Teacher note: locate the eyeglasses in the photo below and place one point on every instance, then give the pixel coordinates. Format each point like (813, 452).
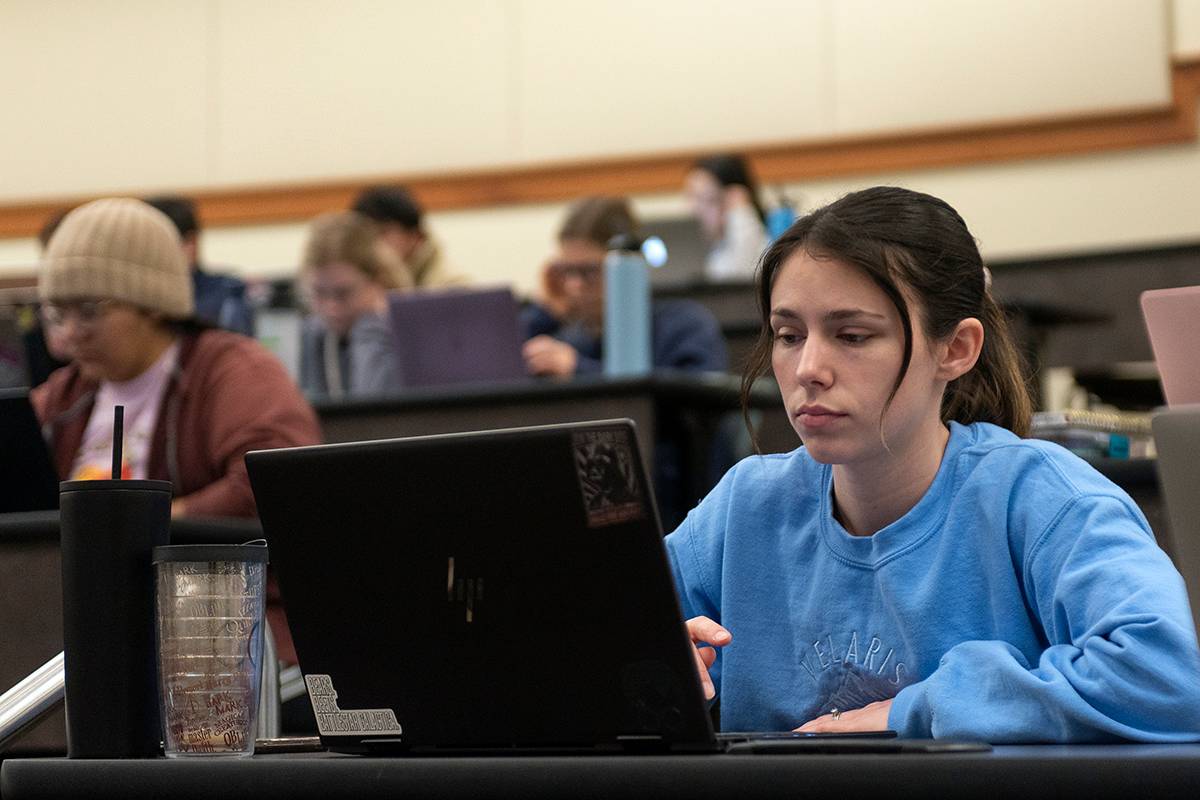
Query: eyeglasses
(588, 271)
(84, 312)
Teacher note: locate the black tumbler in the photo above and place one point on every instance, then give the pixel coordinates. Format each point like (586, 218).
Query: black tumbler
(108, 529)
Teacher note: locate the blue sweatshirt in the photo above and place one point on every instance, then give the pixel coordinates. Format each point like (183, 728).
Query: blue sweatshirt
(1023, 599)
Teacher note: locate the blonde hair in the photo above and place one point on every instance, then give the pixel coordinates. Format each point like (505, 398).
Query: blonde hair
(347, 237)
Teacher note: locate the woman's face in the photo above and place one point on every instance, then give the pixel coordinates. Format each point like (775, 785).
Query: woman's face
(341, 294)
(577, 277)
(837, 350)
(706, 198)
(107, 339)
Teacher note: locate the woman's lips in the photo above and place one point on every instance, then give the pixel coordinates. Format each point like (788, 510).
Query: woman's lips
(813, 418)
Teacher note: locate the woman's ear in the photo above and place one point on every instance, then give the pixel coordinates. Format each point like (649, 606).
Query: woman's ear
(960, 350)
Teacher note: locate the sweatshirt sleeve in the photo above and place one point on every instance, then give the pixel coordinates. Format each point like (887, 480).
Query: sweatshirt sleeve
(250, 403)
(373, 363)
(1121, 661)
(695, 554)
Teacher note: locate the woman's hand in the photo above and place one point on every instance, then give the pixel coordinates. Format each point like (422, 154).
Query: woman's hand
(703, 630)
(872, 717)
(545, 355)
(552, 296)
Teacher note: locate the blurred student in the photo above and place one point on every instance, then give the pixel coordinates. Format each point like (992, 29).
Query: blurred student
(45, 346)
(723, 196)
(220, 299)
(917, 565)
(401, 227)
(565, 329)
(114, 283)
(346, 345)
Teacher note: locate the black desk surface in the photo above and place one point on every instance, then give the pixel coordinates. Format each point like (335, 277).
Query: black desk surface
(1126, 771)
(35, 525)
(711, 389)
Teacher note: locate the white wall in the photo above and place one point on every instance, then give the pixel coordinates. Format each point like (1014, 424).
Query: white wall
(1186, 27)
(205, 93)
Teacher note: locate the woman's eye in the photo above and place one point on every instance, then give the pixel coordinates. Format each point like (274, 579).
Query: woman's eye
(854, 338)
(787, 337)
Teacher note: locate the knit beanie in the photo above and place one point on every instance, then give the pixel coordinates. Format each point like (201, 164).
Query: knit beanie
(119, 249)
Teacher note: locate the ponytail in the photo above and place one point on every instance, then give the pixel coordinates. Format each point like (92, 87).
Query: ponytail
(996, 389)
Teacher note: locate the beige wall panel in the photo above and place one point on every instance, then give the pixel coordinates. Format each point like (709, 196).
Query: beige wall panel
(18, 256)
(1050, 207)
(321, 88)
(630, 77)
(923, 63)
(1040, 207)
(97, 97)
(1186, 27)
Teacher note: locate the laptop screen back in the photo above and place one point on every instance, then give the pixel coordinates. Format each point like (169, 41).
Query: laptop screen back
(489, 590)
(1173, 322)
(13, 369)
(28, 481)
(1177, 439)
(456, 336)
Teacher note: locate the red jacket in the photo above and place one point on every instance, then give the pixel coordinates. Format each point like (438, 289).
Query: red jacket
(228, 395)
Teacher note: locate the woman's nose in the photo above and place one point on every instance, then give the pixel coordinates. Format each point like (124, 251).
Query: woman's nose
(813, 365)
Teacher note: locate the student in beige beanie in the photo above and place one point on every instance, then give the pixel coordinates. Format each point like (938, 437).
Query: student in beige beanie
(115, 285)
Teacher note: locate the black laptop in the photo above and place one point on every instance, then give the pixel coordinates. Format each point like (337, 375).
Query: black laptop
(28, 481)
(484, 592)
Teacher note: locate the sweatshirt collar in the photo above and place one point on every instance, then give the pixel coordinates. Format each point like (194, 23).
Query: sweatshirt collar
(911, 530)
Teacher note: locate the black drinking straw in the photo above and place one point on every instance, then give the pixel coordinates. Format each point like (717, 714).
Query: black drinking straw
(118, 439)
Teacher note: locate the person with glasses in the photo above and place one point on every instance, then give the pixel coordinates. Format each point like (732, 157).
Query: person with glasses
(565, 328)
(346, 346)
(114, 285)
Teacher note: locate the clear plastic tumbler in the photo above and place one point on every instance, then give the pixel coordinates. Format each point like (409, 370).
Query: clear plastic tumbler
(209, 623)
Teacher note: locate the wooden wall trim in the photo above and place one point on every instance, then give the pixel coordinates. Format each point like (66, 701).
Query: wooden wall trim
(793, 161)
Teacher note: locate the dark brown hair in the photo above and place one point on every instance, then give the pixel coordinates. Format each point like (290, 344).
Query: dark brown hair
(902, 238)
(598, 219)
(728, 170)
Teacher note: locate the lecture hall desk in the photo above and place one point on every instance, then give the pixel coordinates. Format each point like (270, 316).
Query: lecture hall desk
(1022, 772)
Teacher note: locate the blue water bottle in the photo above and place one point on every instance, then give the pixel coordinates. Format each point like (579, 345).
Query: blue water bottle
(626, 308)
(780, 218)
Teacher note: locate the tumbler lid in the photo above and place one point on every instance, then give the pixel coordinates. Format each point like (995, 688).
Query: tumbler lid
(255, 552)
(110, 485)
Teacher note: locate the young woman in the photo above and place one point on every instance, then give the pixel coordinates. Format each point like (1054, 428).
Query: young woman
(916, 565)
(346, 345)
(724, 198)
(115, 287)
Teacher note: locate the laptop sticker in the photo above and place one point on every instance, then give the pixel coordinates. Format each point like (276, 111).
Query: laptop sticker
(334, 721)
(605, 465)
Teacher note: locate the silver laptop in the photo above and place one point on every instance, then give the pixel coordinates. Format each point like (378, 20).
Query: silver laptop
(1177, 439)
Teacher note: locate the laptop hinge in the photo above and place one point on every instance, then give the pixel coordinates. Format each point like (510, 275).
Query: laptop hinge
(641, 742)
